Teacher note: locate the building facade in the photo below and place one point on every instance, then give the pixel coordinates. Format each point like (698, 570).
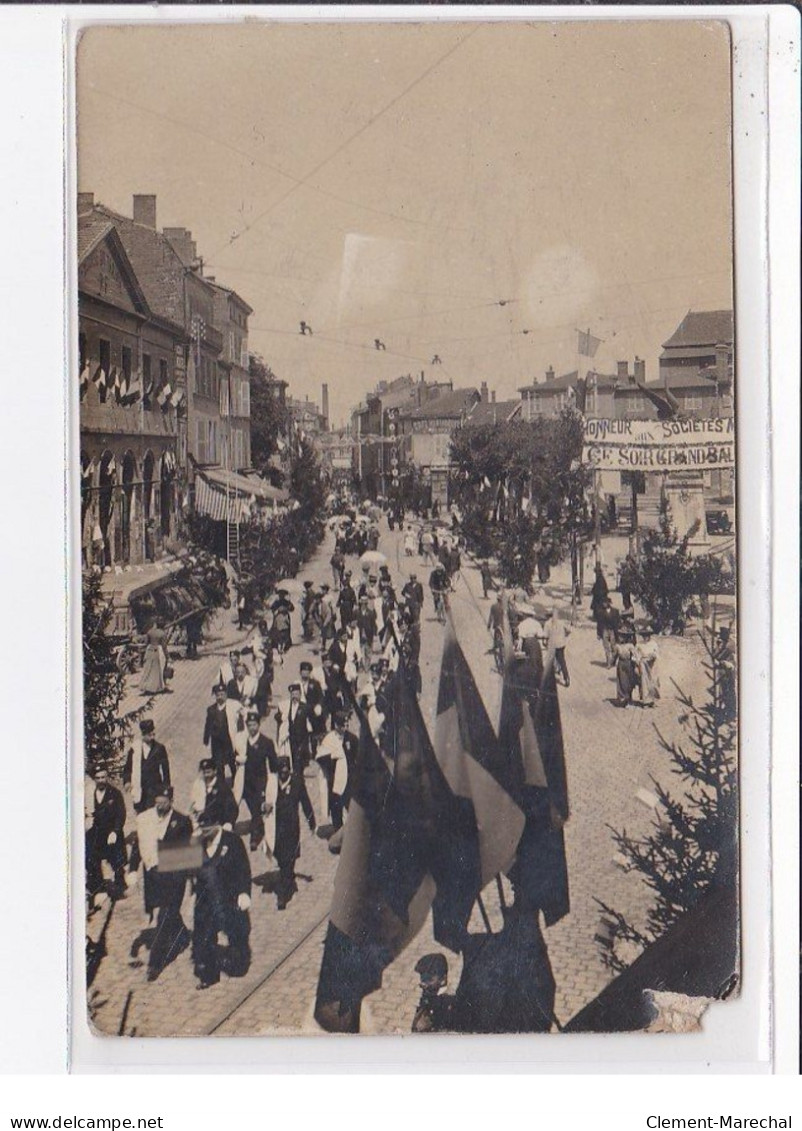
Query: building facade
(130, 374)
(231, 316)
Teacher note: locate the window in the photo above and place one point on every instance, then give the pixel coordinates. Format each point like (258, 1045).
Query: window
(224, 403)
(201, 441)
(245, 398)
(212, 442)
(81, 352)
(162, 372)
(126, 363)
(105, 364)
(244, 353)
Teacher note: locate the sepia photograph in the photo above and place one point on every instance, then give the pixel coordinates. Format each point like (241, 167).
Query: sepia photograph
(405, 372)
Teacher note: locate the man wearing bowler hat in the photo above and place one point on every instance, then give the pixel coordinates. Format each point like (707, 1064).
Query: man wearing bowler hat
(222, 925)
(147, 767)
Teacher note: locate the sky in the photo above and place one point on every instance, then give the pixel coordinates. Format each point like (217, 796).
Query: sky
(476, 191)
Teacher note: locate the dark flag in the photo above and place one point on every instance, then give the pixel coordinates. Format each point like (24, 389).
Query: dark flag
(667, 405)
(382, 890)
(530, 733)
(506, 985)
(487, 820)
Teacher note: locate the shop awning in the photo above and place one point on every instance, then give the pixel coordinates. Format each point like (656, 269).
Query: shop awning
(223, 495)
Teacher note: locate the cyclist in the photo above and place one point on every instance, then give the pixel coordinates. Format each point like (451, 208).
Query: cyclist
(439, 586)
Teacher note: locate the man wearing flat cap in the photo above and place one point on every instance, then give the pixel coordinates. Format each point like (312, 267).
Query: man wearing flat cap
(104, 827)
(256, 755)
(147, 767)
(293, 739)
(222, 906)
(163, 890)
(223, 724)
(435, 1012)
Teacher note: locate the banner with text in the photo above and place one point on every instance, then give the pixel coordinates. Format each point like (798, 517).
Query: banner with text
(659, 445)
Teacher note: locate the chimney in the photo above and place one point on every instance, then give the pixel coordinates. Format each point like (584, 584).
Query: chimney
(145, 209)
(324, 405)
(183, 244)
(623, 370)
(493, 397)
(484, 392)
(86, 202)
(550, 373)
(640, 370)
(722, 364)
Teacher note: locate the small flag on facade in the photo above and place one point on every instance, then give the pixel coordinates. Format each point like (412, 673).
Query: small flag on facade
(588, 343)
(83, 380)
(134, 390)
(100, 379)
(114, 382)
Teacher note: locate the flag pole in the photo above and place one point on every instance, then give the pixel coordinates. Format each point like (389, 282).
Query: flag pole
(483, 913)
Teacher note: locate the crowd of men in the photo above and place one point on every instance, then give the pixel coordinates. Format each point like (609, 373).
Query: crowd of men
(261, 756)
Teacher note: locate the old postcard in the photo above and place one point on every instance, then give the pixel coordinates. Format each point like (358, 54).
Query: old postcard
(406, 369)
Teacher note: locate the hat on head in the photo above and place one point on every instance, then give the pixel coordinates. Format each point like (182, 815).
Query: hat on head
(164, 791)
(207, 821)
(307, 585)
(283, 762)
(218, 687)
(234, 652)
(413, 576)
(147, 726)
(340, 718)
(325, 587)
(294, 687)
(253, 717)
(348, 573)
(206, 764)
(432, 966)
(305, 666)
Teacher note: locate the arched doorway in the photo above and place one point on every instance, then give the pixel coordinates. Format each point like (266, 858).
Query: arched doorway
(127, 505)
(107, 482)
(148, 465)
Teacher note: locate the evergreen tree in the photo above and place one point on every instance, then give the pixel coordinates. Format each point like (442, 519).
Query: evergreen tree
(105, 729)
(693, 843)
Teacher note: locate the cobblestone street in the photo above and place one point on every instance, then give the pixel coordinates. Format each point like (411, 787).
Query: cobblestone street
(611, 755)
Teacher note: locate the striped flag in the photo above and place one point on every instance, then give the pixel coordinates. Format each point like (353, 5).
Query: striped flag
(83, 380)
(114, 382)
(530, 733)
(134, 389)
(369, 925)
(481, 774)
(163, 396)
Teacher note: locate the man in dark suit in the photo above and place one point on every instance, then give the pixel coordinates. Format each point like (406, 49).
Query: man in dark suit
(104, 823)
(257, 756)
(159, 828)
(346, 602)
(147, 768)
(313, 697)
(220, 730)
(212, 799)
(292, 719)
(287, 846)
(222, 905)
(243, 686)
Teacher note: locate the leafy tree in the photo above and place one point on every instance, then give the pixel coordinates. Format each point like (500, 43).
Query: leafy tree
(306, 478)
(105, 729)
(269, 417)
(692, 845)
(523, 492)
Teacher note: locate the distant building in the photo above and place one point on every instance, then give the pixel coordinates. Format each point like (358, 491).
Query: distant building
(426, 436)
(336, 455)
(132, 388)
(231, 316)
(702, 343)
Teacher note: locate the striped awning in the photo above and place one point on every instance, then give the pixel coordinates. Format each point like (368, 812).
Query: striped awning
(210, 501)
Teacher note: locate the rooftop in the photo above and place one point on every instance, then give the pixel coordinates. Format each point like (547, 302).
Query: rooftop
(702, 328)
(494, 412)
(448, 405)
